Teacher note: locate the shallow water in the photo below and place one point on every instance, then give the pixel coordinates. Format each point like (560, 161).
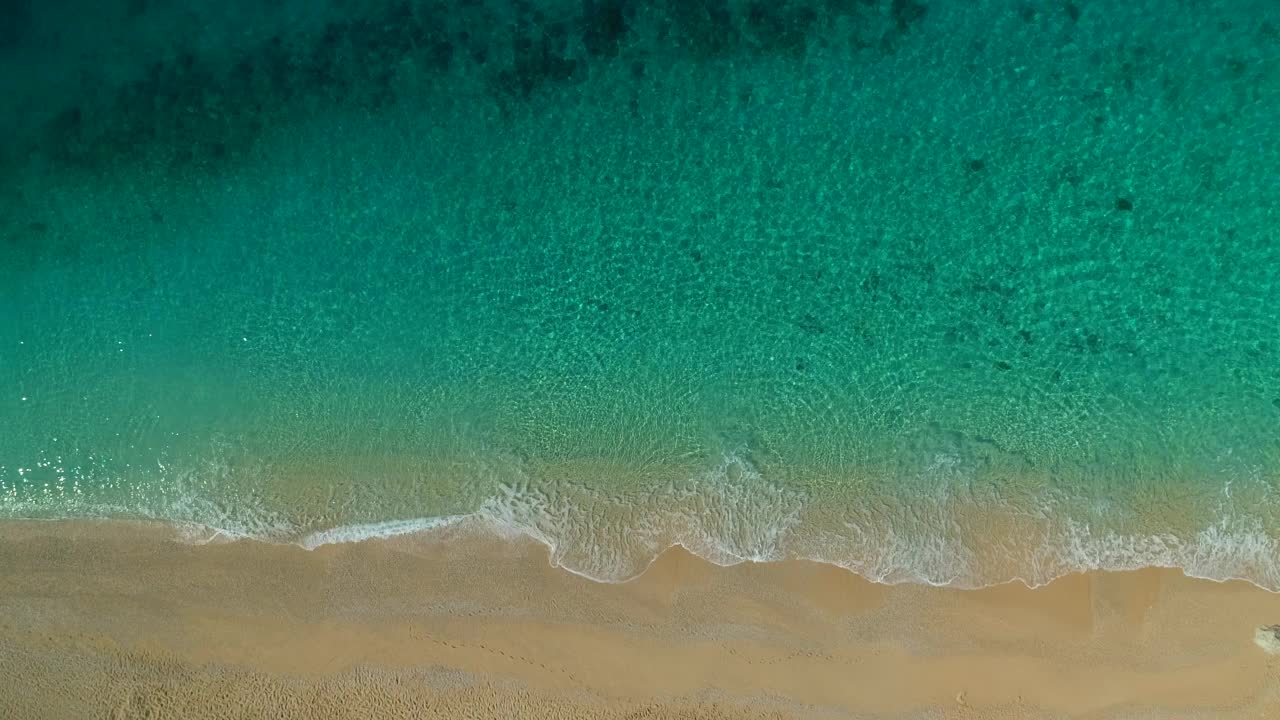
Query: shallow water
(951, 295)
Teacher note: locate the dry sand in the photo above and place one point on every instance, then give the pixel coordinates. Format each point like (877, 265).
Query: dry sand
(116, 620)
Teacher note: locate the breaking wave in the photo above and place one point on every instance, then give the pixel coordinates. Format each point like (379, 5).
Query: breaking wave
(730, 514)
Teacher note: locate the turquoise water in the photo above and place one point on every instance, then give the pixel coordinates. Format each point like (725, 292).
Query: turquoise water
(947, 292)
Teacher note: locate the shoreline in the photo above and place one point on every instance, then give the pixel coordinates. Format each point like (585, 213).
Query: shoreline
(479, 524)
(115, 619)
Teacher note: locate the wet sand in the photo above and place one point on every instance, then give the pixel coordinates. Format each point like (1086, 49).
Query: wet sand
(117, 620)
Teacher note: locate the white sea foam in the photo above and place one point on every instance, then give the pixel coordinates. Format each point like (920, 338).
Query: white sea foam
(378, 530)
(1218, 552)
(730, 515)
(727, 515)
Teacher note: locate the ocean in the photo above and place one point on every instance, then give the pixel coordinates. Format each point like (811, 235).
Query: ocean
(943, 291)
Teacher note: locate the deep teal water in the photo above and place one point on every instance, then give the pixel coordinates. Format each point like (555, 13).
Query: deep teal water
(950, 293)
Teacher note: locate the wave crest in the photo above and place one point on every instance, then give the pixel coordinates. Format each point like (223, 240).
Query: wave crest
(729, 514)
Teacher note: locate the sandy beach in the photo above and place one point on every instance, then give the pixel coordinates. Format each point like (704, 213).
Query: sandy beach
(118, 620)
